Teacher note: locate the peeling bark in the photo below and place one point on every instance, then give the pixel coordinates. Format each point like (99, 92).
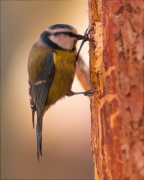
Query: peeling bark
(117, 72)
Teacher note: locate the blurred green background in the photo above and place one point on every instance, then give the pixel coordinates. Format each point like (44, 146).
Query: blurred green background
(67, 124)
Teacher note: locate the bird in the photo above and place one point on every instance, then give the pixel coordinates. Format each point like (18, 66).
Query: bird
(51, 70)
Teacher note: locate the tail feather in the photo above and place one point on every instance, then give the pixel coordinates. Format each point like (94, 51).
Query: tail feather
(33, 113)
(39, 138)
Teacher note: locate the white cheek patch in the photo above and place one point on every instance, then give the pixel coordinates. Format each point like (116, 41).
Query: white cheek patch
(64, 41)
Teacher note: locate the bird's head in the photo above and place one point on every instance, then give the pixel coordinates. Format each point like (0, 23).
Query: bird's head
(61, 36)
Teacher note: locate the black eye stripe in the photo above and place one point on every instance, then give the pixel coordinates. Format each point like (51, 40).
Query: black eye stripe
(66, 33)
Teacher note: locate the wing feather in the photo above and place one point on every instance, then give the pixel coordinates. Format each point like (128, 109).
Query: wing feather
(40, 89)
(42, 83)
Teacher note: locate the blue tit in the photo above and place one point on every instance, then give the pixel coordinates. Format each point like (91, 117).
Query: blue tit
(51, 70)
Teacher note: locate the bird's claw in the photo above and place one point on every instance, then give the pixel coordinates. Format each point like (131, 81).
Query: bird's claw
(90, 92)
(86, 34)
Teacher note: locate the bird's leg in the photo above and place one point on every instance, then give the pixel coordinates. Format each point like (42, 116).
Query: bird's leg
(90, 92)
(86, 35)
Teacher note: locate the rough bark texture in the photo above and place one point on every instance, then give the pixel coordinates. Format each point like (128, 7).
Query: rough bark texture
(117, 72)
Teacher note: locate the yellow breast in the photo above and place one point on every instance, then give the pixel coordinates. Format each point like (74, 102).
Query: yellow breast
(64, 74)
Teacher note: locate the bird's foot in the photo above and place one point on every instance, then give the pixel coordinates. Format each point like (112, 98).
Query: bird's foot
(90, 92)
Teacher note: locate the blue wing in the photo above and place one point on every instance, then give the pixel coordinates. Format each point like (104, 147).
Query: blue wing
(40, 89)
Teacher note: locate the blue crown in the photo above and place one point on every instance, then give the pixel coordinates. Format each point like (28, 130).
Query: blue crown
(63, 26)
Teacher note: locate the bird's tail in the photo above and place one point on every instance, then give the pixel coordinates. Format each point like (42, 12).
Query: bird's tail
(39, 137)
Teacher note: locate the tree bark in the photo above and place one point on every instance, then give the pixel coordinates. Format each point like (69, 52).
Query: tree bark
(117, 73)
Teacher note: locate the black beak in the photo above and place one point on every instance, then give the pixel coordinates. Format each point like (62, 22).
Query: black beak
(80, 37)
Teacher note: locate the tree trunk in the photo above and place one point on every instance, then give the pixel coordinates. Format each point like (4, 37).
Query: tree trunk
(117, 73)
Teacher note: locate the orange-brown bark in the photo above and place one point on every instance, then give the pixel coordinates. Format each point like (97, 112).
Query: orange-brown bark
(117, 72)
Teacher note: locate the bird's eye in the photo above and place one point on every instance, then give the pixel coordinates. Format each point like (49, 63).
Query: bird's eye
(75, 41)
